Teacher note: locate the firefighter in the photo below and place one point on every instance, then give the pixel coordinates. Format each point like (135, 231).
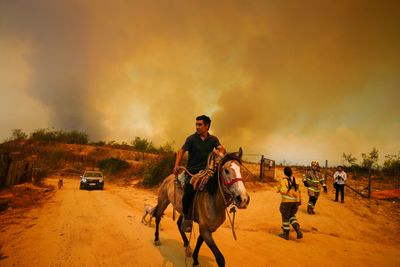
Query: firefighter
(313, 180)
(291, 200)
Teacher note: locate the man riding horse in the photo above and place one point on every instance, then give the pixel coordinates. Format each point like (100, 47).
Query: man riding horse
(199, 145)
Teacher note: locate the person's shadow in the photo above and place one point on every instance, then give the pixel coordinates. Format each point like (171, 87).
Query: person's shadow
(173, 253)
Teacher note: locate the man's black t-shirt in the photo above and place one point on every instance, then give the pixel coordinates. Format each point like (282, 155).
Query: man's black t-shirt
(199, 151)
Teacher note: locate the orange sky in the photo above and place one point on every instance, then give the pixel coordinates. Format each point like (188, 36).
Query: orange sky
(292, 80)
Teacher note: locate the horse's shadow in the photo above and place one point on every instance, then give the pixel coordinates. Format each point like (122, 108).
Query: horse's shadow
(173, 254)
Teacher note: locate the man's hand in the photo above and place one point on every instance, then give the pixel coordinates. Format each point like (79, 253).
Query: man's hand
(218, 153)
(305, 183)
(325, 189)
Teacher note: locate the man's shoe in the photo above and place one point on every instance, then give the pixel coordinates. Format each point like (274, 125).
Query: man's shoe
(284, 235)
(186, 226)
(309, 210)
(296, 227)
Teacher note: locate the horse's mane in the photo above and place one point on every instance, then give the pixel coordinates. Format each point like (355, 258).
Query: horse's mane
(212, 185)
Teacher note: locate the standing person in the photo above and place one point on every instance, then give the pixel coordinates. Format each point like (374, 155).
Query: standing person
(313, 180)
(340, 180)
(291, 200)
(199, 145)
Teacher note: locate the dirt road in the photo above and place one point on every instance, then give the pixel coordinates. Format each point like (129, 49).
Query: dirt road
(103, 228)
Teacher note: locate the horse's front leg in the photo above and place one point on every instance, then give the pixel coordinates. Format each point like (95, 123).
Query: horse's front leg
(184, 238)
(196, 251)
(156, 234)
(207, 236)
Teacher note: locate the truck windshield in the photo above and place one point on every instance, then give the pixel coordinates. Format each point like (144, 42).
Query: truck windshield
(93, 174)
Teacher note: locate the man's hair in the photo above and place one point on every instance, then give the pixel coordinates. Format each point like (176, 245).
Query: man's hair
(204, 118)
(340, 166)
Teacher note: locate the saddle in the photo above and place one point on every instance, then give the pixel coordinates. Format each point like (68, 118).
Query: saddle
(198, 180)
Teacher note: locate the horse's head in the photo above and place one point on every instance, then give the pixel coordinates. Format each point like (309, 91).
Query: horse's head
(231, 178)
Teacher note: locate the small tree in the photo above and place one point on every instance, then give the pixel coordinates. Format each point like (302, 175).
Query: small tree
(350, 161)
(392, 164)
(142, 144)
(112, 165)
(155, 172)
(18, 135)
(75, 137)
(166, 148)
(370, 160)
(44, 135)
(99, 143)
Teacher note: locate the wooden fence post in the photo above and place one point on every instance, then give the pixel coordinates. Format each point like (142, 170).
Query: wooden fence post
(262, 168)
(326, 170)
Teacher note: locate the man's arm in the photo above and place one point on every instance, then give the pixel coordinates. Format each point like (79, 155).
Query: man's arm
(305, 178)
(221, 149)
(179, 156)
(299, 194)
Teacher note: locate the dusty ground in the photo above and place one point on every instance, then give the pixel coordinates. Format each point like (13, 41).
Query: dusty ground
(103, 228)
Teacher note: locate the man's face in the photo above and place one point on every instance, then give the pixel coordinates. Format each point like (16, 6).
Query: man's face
(314, 166)
(340, 169)
(201, 127)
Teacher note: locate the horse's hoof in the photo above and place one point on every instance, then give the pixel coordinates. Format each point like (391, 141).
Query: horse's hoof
(157, 243)
(196, 265)
(188, 252)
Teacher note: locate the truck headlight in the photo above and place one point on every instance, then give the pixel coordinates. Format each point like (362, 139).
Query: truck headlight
(101, 180)
(84, 180)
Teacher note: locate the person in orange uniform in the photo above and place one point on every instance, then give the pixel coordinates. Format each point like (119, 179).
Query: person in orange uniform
(291, 200)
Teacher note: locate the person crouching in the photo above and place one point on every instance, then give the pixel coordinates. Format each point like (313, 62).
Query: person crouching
(291, 200)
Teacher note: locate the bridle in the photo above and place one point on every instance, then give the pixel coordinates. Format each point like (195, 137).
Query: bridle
(228, 183)
(224, 185)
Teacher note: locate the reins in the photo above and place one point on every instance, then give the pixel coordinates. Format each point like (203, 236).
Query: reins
(227, 204)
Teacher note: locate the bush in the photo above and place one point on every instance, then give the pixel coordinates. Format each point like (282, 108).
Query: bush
(44, 135)
(391, 165)
(370, 160)
(54, 158)
(155, 172)
(167, 148)
(98, 143)
(51, 135)
(112, 165)
(73, 137)
(18, 135)
(143, 145)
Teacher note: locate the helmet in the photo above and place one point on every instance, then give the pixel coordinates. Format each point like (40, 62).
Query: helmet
(314, 163)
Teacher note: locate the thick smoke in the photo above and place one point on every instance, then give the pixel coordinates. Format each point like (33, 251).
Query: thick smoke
(273, 75)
